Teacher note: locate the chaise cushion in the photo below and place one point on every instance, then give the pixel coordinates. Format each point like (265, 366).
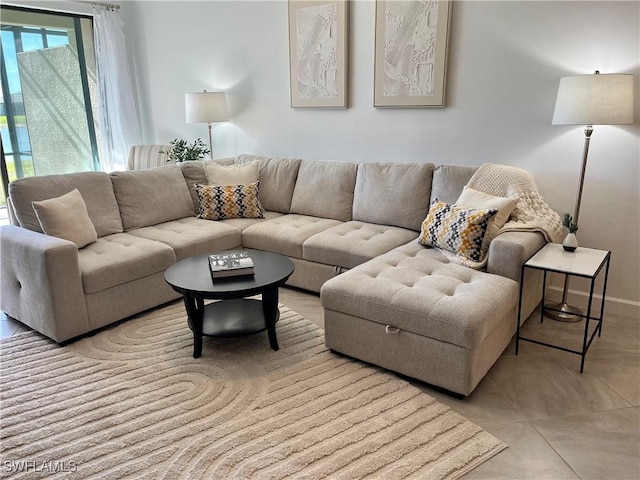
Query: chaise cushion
(325, 189)
(120, 258)
(149, 197)
(352, 243)
(418, 290)
(286, 234)
(277, 180)
(95, 188)
(190, 236)
(394, 194)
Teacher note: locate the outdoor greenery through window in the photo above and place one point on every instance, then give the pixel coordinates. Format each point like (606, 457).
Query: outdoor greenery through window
(48, 94)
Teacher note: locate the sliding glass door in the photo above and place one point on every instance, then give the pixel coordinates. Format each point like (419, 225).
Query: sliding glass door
(48, 94)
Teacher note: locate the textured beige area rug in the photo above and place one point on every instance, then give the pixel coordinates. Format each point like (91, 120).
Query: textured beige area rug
(131, 402)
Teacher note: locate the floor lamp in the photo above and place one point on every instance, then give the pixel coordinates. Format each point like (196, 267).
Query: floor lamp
(589, 100)
(206, 107)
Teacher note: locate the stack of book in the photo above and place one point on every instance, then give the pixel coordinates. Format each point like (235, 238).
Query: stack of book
(230, 264)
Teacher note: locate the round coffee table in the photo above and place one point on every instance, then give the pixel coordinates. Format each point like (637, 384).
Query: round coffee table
(234, 315)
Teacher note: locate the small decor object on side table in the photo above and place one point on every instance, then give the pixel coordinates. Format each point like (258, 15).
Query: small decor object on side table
(570, 242)
(230, 264)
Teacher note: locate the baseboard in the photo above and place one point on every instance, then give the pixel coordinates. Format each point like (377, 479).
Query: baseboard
(614, 306)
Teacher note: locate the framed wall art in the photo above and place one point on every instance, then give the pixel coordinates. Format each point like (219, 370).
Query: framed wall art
(318, 50)
(412, 41)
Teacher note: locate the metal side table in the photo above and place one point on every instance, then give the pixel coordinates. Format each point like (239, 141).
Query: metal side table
(585, 263)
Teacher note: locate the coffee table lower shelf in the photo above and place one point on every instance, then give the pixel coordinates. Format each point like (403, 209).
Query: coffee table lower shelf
(234, 318)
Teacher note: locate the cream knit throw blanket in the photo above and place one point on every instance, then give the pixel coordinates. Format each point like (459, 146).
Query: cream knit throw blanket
(531, 214)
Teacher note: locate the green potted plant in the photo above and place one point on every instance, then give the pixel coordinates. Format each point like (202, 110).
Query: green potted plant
(181, 151)
(570, 242)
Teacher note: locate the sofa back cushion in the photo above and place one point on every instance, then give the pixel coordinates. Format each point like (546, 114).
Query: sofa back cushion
(149, 197)
(193, 172)
(325, 189)
(395, 194)
(449, 181)
(277, 180)
(95, 188)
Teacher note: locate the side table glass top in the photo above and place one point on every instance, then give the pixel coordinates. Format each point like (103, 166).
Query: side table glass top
(584, 261)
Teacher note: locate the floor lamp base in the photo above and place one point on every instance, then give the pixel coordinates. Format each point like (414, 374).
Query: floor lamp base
(563, 312)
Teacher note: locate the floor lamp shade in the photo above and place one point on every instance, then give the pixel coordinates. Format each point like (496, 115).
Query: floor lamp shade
(598, 99)
(206, 107)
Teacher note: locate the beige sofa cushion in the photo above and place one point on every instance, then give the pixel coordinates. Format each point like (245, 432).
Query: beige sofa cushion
(325, 189)
(95, 188)
(394, 194)
(231, 174)
(190, 236)
(286, 234)
(193, 172)
(417, 289)
(480, 200)
(242, 223)
(277, 180)
(352, 243)
(449, 180)
(149, 197)
(120, 258)
(66, 217)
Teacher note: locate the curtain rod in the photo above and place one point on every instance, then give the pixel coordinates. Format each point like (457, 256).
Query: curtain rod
(106, 5)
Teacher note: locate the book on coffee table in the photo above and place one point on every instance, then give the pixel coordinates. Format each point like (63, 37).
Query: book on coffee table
(230, 264)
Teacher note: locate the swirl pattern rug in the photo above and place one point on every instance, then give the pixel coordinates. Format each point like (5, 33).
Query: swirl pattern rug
(132, 402)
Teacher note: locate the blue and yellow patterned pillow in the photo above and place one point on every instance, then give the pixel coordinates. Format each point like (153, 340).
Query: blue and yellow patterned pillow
(457, 229)
(219, 202)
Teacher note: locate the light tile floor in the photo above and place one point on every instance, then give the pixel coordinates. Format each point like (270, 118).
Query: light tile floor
(557, 422)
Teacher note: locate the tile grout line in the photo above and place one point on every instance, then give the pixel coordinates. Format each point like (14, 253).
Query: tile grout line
(554, 449)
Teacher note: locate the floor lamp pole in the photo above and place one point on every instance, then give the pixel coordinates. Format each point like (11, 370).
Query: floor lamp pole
(562, 311)
(211, 143)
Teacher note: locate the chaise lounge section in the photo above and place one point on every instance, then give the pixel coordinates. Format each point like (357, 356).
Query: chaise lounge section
(350, 229)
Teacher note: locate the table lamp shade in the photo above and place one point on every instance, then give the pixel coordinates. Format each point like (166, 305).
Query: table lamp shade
(206, 107)
(598, 99)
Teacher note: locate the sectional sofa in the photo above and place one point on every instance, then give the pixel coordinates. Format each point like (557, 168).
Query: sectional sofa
(351, 230)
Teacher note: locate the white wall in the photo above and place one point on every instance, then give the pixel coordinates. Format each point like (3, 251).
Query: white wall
(506, 59)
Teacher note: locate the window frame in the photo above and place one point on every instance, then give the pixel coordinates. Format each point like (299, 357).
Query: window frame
(6, 93)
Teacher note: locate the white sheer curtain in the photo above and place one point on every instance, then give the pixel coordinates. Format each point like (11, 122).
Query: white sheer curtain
(118, 120)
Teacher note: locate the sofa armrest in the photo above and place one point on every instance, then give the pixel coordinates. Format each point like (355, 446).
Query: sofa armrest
(509, 250)
(41, 284)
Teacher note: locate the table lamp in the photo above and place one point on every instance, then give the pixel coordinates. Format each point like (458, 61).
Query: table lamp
(206, 107)
(598, 99)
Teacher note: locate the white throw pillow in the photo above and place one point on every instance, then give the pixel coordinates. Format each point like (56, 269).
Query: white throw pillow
(66, 217)
(471, 198)
(232, 174)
